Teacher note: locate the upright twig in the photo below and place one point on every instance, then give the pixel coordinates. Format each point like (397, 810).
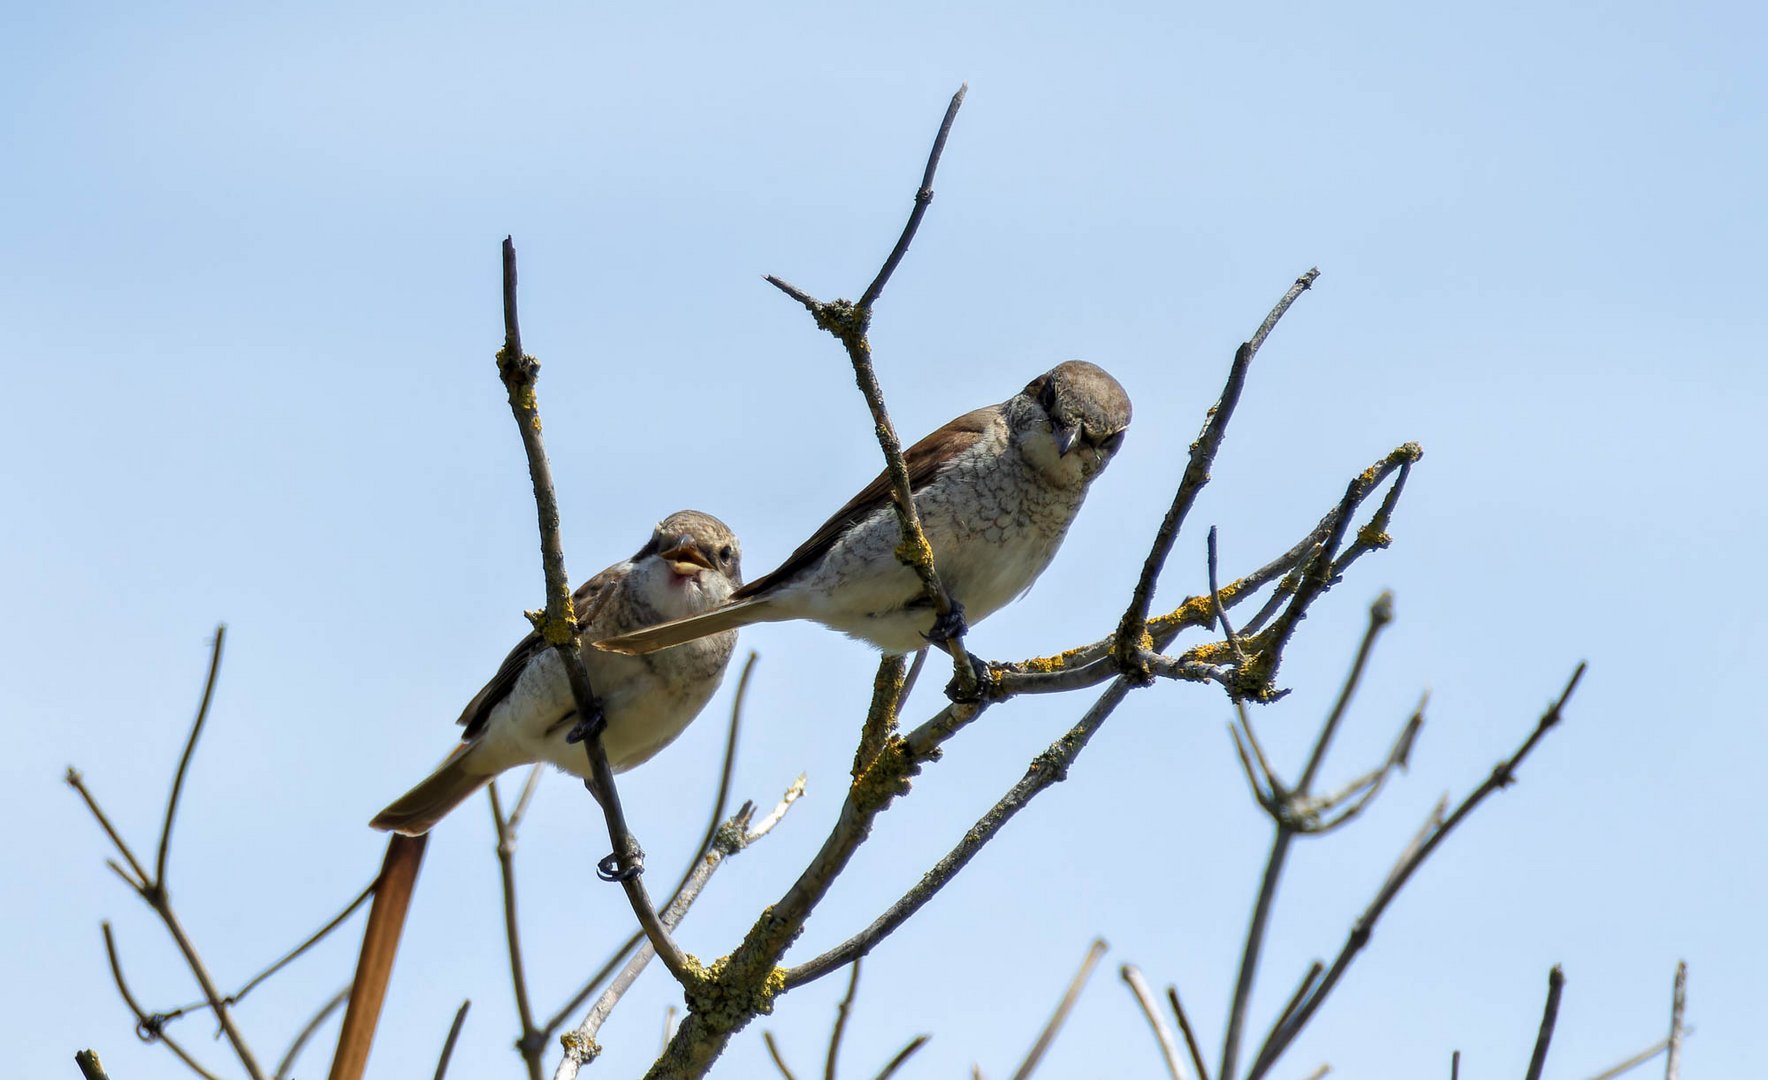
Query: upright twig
(1169, 1049)
(152, 889)
(1135, 617)
(902, 1056)
(307, 1032)
(1678, 1001)
(196, 729)
(779, 1059)
(144, 1023)
(557, 624)
(840, 1027)
(1191, 1044)
(532, 1041)
(1455, 1066)
(1063, 1008)
(734, 836)
(90, 1067)
(1549, 1017)
(1435, 831)
(460, 1019)
(848, 322)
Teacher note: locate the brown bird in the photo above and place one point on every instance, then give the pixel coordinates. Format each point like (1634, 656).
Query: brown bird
(996, 490)
(692, 564)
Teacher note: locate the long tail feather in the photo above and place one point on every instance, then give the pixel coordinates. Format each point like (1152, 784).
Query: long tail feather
(417, 811)
(681, 631)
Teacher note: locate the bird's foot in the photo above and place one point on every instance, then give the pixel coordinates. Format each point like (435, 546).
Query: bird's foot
(611, 867)
(984, 689)
(593, 724)
(949, 626)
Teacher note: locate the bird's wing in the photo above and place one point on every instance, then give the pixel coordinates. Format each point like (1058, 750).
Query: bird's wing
(586, 601)
(925, 459)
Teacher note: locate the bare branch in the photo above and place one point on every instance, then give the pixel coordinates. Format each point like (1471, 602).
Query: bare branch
(196, 729)
(460, 1019)
(779, 1060)
(1135, 618)
(902, 1056)
(849, 322)
(1503, 774)
(1678, 1001)
(1169, 1049)
(558, 623)
(532, 1042)
(1172, 997)
(1637, 1060)
(141, 883)
(90, 1067)
(843, 1010)
(1381, 613)
(1455, 1066)
(1549, 1016)
(144, 1024)
(1215, 602)
(307, 1032)
(923, 197)
(737, 834)
(529, 787)
(1048, 1035)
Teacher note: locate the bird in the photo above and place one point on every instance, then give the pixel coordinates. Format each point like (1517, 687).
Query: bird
(996, 490)
(692, 563)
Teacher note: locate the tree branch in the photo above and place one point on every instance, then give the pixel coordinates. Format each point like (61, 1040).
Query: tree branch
(1063, 1007)
(144, 1023)
(307, 1032)
(1678, 1001)
(460, 1019)
(1549, 1016)
(1169, 1049)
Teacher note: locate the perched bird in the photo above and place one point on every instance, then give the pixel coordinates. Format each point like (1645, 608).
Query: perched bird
(996, 490)
(692, 564)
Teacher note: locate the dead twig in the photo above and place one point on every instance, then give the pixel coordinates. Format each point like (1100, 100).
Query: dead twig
(1063, 1007)
(1549, 1016)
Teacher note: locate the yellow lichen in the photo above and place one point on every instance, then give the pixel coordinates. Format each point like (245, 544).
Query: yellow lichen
(1372, 536)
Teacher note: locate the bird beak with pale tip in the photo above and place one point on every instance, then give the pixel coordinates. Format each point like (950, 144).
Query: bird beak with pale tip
(1066, 437)
(686, 559)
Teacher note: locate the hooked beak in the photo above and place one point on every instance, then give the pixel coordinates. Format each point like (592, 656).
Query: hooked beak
(1066, 437)
(686, 559)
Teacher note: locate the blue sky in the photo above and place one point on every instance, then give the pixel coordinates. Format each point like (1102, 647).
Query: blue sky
(248, 311)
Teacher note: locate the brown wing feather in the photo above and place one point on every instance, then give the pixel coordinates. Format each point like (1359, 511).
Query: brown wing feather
(587, 600)
(925, 459)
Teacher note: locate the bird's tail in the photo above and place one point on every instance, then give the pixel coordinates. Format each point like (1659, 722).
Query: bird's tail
(417, 811)
(680, 631)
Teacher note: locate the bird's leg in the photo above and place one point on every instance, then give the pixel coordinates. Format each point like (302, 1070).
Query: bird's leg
(954, 691)
(593, 724)
(948, 626)
(609, 868)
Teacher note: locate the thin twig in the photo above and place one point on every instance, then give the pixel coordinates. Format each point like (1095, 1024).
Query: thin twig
(1169, 1050)
(531, 1043)
(1381, 613)
(848, 322)
(902, 1056)
(529, 787)
(312, 939)
(1215, 602)
(779, 1060)
(1549, 1016)
(1172, 997)
(144, 1025)
(460, 1018)
(1063, 1007)
(841, 1013)
(558, 623)
(1678, 1001)
(1135, 617)
(923, 197)
(1455, 1066)
(307, 1031)
(196, 729)
(1637, 1060)
(141, 882)
(737, 834)
(1503, 774)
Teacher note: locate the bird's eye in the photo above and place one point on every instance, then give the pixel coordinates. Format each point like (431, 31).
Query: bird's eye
(1047, 398)
(1110, 443)
(725, 553)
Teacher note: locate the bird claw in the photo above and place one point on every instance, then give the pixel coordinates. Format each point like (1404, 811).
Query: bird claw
(948, 627)
(609, 868)
(593, 724)
(958, 695)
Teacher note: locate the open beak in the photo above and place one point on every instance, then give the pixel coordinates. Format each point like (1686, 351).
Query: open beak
(686, 559)
(1065, 438)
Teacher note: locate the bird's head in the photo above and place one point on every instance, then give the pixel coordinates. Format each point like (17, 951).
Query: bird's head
(694, 559)
(1083, 413)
